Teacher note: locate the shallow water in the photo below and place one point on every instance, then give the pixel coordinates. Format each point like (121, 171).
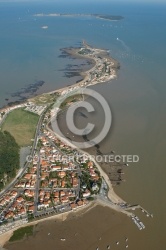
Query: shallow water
(137, 99)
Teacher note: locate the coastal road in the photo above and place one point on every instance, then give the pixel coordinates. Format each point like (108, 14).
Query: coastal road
(23, 170)
(56, 209)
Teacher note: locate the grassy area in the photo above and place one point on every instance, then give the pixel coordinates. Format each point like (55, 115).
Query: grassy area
(71, 99)
(22, 126)
(45, 99)
(20, 233)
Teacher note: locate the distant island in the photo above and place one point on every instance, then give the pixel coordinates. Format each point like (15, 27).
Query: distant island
(106, 17)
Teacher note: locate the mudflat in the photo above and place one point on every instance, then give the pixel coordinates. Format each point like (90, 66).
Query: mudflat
(97, 227)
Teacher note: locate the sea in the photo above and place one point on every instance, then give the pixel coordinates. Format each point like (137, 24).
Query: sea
(29, 53)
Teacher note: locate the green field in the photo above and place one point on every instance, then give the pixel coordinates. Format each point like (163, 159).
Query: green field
(22, 126)
(20, 233)
(45, 98)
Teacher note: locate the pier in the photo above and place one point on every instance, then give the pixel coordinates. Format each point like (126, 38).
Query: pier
(133, 207)
(135, 219)
(137, 222)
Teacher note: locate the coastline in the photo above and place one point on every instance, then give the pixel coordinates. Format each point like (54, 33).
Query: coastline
(4, 238)
(137, 99)
(80, 231)
(83, 83)
(111, 193)
(73, 52)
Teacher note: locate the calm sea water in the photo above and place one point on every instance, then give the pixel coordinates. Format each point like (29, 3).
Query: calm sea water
(137, 97)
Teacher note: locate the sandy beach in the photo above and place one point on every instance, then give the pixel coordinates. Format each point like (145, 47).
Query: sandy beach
(111, 193)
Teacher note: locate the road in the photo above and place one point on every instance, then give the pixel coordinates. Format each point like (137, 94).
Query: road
(37, 185)
(22, 171)
(107, 195)
(57, 209)
(76, 163)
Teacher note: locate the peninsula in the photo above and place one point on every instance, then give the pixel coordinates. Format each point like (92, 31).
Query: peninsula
(50, 184)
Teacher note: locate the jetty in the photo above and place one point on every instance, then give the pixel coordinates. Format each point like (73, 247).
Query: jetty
(133, 207)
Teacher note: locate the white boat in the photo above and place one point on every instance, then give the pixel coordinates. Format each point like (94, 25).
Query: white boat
(44, 27)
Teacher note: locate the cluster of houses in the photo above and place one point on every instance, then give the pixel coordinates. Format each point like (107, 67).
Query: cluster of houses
(13, 204)
(54, 198)
(103, 71)
(52, 179)
(56, 171)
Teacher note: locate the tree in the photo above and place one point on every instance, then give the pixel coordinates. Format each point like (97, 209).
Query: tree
(9, 156)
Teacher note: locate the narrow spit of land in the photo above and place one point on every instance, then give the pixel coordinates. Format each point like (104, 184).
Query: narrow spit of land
(104, 69)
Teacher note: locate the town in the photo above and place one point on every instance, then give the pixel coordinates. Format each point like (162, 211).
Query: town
(53, 182)
(58, 177)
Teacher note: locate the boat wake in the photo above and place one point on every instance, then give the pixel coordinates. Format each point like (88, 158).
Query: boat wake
(123, 44)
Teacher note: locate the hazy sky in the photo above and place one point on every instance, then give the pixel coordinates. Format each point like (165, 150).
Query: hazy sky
(84, 1)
